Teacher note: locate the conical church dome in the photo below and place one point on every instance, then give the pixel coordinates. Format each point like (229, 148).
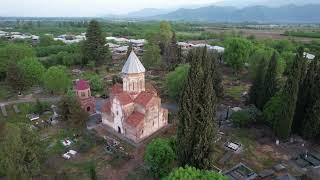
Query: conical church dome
(133, 65)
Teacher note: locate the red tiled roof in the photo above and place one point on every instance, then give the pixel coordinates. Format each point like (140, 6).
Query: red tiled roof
(117, 89)
(107, 107)
(124, 98)
(143, 98)
(82, 85)
(135, 119)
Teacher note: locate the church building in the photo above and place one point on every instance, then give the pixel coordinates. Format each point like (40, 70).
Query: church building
(134, 107)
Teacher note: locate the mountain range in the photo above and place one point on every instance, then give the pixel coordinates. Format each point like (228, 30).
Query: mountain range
(263, 11)
(283, 14)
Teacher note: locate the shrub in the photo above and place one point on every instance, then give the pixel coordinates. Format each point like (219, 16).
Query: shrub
(159, 157)
(246, 117)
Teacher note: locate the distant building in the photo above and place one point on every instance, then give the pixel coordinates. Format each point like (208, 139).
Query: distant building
(134, 107)
(83, 93)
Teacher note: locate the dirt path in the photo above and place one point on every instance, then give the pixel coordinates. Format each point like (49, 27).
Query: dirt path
(27, 100)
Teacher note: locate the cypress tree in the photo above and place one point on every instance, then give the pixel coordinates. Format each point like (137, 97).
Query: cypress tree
(196, 128)
(172, 59)
(306, 96)
(256, 90)
(129, 50)
(215, 74)
(282, 126)
(94, 47)
(269, 82)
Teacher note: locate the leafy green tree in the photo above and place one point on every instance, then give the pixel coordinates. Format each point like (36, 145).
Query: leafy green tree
(175, 80)
(237, 52)
(270, 81)
(15, 77)
(151, 56)
(56, 80)
(94, 47)
(95, 81)
(196, 128)
(257, 88)
(271, 110)
(21, 152)
(72, 113)
(191, 173)
(33, 71)
(12, 53)
(159, 157)
(48, 41)
(289, 93)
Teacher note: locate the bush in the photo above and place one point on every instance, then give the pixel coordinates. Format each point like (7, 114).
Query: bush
(246, 117)
(175, 80)
(159, 157)
(190, 173)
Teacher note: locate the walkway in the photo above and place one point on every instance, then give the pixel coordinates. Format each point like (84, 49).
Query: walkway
(28, 100)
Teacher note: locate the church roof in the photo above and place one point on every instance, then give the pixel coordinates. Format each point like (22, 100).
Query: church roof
(133, 65)
(135, 119)
(82, 85)
(124, 98)
(143, 98)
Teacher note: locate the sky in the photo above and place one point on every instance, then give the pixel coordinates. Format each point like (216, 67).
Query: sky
(87, 8)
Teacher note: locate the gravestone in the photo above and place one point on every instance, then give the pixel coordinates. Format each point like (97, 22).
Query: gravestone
(15, 108)
(3, 110)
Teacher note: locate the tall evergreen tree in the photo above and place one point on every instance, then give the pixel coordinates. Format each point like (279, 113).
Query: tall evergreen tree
(307, 96)
(171, 56)
(216, 74)
(129, 50)
(94, 47)
(196, 128)
(283, 124)
(270, 86)
(257, 88)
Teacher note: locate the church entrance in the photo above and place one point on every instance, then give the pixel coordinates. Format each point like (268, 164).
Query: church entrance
(119, 130)
(88, 108)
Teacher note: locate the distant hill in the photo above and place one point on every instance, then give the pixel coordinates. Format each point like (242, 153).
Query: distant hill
(284, 14)
(147, 12)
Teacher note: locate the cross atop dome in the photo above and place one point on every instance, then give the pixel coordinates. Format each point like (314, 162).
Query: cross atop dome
(133, 65)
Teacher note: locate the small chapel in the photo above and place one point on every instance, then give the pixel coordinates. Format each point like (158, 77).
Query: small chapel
(134, 107)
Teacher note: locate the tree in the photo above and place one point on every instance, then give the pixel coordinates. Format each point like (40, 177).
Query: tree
(257, 88)
(56, 80)
(159, 157)
(129, 50)
(270, 81)
(47, 40)
(15, 77)
(307, 96)
(172, 56)
(21, 152)
(33, 71)
(175, 80)
(12, 53)
(237, 52)
(190, 173)
(151, 56)
(72, 113)
(289, 93)
(196, 128)
(94, 47)
(95, 81)
(164, 36)
(92, 172)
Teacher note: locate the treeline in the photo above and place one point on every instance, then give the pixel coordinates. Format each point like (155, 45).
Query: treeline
(308, 34)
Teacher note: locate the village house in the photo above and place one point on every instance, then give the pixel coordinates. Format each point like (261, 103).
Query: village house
(134, 107)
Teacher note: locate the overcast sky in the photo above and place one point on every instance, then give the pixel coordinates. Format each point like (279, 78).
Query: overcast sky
(87, 7)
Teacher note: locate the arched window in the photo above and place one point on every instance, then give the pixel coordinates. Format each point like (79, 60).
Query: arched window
(133, 85)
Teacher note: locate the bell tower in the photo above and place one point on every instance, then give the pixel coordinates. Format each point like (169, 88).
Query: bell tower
(133, 75)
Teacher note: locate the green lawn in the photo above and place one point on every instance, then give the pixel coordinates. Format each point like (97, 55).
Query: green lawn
(235, 91)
